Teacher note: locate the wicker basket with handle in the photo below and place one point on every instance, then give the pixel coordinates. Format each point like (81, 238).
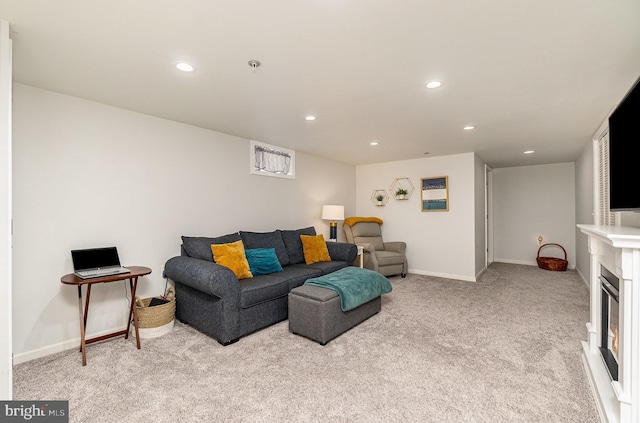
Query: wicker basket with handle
(552, 263)
(158, 315)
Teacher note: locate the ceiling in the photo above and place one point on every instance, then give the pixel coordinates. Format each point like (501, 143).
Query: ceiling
(531, 75)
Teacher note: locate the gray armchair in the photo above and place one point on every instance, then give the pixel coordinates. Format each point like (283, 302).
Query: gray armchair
(387, 258)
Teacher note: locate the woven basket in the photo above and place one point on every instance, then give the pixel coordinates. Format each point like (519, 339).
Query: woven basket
(157, 316)
(148, 333)
(552, 263)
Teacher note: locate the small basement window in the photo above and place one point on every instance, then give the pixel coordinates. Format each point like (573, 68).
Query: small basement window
(271, 160)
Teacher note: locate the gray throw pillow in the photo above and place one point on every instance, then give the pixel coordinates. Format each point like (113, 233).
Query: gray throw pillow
(200, 247)
(293, 243)
(266, 240)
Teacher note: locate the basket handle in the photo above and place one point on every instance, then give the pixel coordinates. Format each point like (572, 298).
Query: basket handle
(170, 293)
(558, 245)
(139, 302)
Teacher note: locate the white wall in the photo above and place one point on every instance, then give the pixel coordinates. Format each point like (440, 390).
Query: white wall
(586, 186)
(6, 373)
(530, 201)
(438, 243)
(480, 215)
(164, 179)
(630, 219)
(87, 175)
(585, 181)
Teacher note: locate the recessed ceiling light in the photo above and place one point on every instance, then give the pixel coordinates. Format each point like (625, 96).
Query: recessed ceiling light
(433, 84)
(185, 67)
(373, 143)
(469, 127)
(529, 152)
(310, 118)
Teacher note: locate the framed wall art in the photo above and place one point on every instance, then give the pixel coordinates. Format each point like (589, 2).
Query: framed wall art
(434, 194)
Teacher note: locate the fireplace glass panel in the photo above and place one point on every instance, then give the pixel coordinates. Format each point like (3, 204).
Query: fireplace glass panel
(614, 322)
(610, 324)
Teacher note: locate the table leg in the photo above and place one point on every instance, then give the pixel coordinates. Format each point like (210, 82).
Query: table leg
(133, 284)
(86, 305)
(83, 323)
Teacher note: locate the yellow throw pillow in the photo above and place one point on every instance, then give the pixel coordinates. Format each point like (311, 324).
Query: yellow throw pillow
(232, 255)
(314, 248)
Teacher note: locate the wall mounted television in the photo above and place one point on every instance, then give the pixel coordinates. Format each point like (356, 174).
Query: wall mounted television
(624, 161)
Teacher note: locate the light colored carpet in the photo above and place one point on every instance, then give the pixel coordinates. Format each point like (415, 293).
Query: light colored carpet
(504, 349)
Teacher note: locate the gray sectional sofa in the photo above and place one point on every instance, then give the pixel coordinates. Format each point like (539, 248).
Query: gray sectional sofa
(211, 299)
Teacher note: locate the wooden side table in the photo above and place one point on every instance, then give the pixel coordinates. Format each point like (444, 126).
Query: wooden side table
(135, 273)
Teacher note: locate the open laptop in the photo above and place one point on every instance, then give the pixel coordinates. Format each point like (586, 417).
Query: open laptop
(96, 262)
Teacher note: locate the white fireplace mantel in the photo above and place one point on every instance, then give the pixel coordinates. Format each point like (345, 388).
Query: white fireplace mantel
(617, 249)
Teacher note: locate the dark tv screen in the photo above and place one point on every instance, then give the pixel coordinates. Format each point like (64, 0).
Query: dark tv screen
(624, 161)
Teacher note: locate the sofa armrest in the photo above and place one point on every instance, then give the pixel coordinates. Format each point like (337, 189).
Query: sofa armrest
(397, 246)
(205, 276)
(342, 251)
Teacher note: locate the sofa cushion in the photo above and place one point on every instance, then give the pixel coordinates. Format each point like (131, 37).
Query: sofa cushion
(314, 248)
(323, 267)
(266, 240)
(262, 288)
(293, 243)
(232, 255)
(298, 273)
(263, 261)
(200, 247)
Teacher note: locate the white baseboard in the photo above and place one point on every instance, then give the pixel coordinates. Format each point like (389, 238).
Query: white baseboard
(524, 262)
(481, 272)
(56, 348)
(443, 275)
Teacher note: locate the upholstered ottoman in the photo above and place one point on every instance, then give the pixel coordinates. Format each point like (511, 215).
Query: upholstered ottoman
(315, 313)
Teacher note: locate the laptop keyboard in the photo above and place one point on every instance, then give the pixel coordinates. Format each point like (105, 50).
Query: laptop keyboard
(99, 272)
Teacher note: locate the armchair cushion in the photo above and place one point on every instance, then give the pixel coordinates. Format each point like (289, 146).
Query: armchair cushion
(368, 233)
(388, 258)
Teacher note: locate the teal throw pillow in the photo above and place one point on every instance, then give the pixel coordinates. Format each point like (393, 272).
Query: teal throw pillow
(263, 261)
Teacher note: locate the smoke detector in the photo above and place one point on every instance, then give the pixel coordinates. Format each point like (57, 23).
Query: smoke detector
(254, 64)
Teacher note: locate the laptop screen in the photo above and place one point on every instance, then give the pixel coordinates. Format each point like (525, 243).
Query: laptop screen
(93, 258)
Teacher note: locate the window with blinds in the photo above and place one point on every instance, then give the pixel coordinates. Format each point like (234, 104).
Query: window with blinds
(270, 160)
(605, 216)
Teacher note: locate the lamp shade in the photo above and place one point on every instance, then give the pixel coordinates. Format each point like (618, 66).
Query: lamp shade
(330, 212)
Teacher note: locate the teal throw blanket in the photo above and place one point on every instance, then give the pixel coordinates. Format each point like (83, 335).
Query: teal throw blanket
(354, 285)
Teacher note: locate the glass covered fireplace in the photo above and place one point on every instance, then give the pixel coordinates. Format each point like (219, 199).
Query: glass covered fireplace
(610, 320)
(612, 349)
